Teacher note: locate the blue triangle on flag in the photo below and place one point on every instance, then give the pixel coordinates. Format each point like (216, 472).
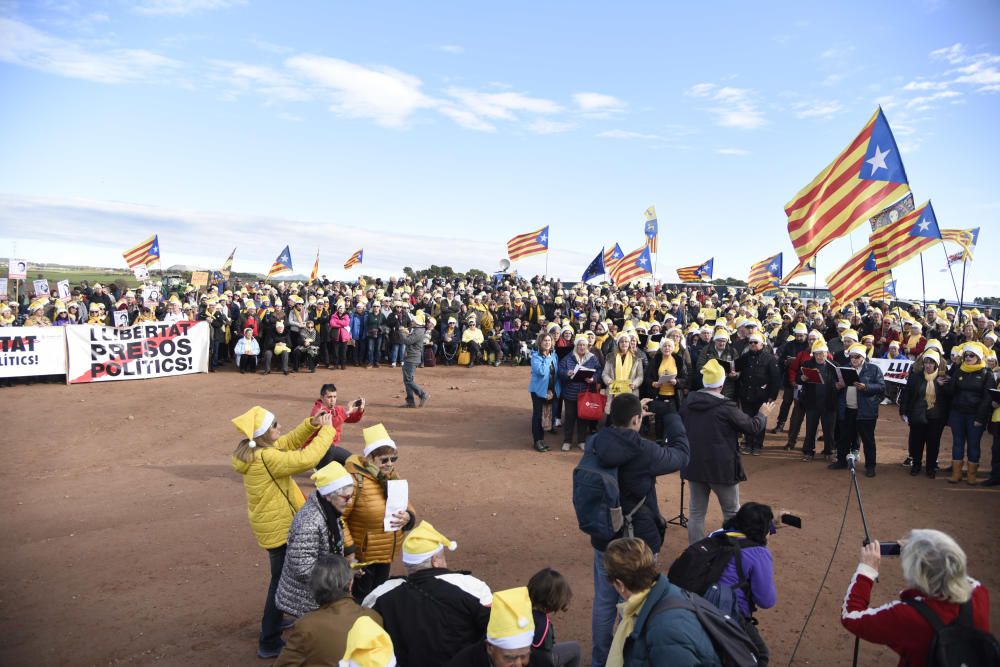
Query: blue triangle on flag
(926, 225)
(870, 262)
(882, 160)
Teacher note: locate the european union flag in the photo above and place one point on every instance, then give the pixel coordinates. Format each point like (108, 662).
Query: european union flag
(596, 267)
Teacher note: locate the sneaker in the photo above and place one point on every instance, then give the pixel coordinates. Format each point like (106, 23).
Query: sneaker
(808, 457)
(583, 449)
(755, 452)
(394, 364)
(557, 423)
(424, 399)
(566, 446)
(269, 653)
(908, 462)
(885, 401)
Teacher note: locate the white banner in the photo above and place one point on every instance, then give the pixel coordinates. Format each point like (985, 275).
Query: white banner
(17, 269)
(148, 350)
(32, 351)
(894, 370)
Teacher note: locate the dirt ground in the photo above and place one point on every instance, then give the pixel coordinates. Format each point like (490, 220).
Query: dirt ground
(128, 544)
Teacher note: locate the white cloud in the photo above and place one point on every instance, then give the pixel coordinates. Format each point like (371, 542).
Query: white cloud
(451, 48)
(739, 152)
(953, 54)
(980, 69)
(182, 7)
(20, 44)
(832, 80)
(700, 89)
(927, 101)
(920, 86)
(546, 126)
(385, 95)
(735, 107)
(598, 103)
(502, 106)
(626, 134)
(837, 52)
(817, 109)
(266, 81)
(466, 118)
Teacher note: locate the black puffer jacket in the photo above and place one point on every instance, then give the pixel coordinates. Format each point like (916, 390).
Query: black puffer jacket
(970, 394)
(640, 462)
(712, 423)
(759, 379)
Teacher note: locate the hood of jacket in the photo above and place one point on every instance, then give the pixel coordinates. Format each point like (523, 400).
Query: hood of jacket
(615, 446)
(702, 401)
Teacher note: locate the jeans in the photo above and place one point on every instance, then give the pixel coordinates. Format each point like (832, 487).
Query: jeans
(566, 654)
(270, 623)
(729, 501)
(537, 403)
(964, 431)
(413, 390)
(602, 617)
(396, 353)
(852, 428)
(928, 434)
(374, 350)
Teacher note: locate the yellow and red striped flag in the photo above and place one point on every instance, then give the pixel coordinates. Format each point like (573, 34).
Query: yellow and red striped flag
(147, 252)
(632, 266)
(315, 271)
(697, 273)
(866, 177)
(967, 238)
(801, 269)
(282, 263)
(858, 276)
(611, 256)
(906, 238)
(765, 274)
(885, 292)
(356, 258)
(652, 228)
(526, 245)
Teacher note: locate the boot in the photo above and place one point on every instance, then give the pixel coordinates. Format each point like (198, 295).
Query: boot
(956, 472)
(970, 478)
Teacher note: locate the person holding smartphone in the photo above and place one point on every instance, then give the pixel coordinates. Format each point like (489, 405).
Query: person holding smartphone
(327, 404)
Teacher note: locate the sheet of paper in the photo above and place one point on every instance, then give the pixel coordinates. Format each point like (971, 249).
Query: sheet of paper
(666, 377)
(397, 497)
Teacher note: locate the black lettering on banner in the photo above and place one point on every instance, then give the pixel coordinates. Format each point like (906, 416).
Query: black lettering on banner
(168, 348)
(167, 365)
(97, 351)
(184, 346)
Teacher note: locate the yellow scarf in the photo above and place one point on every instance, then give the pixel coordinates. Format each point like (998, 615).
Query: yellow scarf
(929, 394)
(972, 368)
(629, 611)
(623, 373)
(667, 367)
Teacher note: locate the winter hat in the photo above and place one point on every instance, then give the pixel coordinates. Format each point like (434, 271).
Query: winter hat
(511, 625)
(368, 645)
(331, 477)
(801, 328)
(819, 346)
(713, 375)
(858, 349)
(721, 334)
(419, 318)
(254, 423)
(376, 436)
(423, 542)
(755, 337)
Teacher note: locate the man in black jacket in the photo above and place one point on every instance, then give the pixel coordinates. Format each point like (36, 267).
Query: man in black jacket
(433, 612)
(713, 423)
(639, 462)
(759, 382)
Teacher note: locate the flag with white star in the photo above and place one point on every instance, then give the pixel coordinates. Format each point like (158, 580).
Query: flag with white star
(906, 238)
(697, 273)
(526, 245)
(765, 274)
(860, 275)
(633, 266)
(146, 253)
(282, 263)
(863, 180)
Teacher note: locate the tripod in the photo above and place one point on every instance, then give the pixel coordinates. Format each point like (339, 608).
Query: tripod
(681, 519)
(868, 538)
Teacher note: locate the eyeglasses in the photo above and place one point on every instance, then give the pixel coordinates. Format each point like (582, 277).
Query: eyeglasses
(387, 459)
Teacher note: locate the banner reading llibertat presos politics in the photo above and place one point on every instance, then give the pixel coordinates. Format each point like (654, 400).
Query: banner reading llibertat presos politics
(894, 370)
(32, 351)
(147, 350)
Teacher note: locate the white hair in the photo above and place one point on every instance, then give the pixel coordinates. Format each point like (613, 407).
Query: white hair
(934, 564)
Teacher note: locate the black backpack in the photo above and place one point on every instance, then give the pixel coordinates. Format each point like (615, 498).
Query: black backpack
(959, 643)
(700, 566)
(731, 642)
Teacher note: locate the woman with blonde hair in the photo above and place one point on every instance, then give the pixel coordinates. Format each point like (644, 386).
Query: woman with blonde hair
(622, 370)
(544, 386)
(937, 587)
(267, 460)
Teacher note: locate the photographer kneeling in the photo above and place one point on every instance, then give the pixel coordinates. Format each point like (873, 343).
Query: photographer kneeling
(934, 572)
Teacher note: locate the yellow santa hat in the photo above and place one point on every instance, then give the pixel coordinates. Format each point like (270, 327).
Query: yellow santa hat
(254, 423)
(713, 375)
(419, 318)
(721, 334)
(376, 436)
(857, 348)
(851, 334)
(819, 346)
(331, 477)
(511, 624)
(581, 338)
(368, 645)
(933, 355)
(934, 344)
(423, 542)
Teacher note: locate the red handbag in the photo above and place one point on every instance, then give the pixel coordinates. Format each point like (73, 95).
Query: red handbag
(590, 405)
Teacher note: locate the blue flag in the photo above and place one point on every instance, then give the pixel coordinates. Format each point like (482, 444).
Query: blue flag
(596, 267)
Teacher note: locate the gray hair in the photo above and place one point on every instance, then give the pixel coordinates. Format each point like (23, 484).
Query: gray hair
(331, 579)
(934, 564)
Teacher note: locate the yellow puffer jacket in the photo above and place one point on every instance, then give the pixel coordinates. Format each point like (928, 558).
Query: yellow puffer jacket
(273, 499)
(364, 515)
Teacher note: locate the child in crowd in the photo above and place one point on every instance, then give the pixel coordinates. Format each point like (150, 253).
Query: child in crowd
(550, 592)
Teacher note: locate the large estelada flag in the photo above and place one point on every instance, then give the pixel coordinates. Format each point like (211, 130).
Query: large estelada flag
(636, 264)
(282, 263)
(867, 176)
(858, 276)
(765, 274)
(696, 273)
(147, 252)
(612, 254)
(906, 238)
(526, 245)
(356, 258)
(652, 228)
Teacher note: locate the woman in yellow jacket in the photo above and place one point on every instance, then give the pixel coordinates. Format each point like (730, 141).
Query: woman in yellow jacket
(365, 514)
(267, 460)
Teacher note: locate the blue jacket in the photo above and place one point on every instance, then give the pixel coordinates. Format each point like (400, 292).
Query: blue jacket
(673, 638)
(541, 367)
(571, 389)
(358, 328)
(870, 375)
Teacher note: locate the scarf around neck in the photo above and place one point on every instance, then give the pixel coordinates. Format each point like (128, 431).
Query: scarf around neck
(629, 610)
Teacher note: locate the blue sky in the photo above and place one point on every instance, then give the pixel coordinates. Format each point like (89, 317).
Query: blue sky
(433, 132)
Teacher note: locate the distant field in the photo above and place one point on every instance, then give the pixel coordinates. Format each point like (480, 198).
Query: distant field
(75, 276)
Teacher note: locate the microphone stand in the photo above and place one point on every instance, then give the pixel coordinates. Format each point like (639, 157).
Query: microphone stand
(864, 522)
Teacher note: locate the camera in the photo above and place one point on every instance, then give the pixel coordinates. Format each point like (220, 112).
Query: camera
(889, 548)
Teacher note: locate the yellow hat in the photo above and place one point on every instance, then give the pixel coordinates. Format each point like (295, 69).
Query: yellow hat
(800, 328)
(850, 333)
(721, 334)
(331, 477)
(511, 625)
(857, 348)
(976, 348)
(713, 375)
(254, 423)
(819, 346)
(368, 645)
(424, 542)
(934, 344)
(934, 356)
(38, 304)
(581, 338)
(419, 318)
(376, 436)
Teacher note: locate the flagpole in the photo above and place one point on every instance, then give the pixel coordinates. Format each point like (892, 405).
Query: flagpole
(950, 272)
(923, 284)
(961, 298)
(546, 263)
(815, 274)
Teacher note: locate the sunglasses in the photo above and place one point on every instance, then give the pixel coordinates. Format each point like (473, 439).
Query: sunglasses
(387, 459)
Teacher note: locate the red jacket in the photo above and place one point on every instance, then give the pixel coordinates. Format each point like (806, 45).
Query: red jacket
(898, 625)
(794, 367)
(339, 417)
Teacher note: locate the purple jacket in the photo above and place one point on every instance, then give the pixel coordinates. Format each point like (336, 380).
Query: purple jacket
(758, 569)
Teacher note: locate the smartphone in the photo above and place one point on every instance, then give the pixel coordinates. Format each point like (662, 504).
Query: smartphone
(889, 548)
(791, 520)
(357, 403)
